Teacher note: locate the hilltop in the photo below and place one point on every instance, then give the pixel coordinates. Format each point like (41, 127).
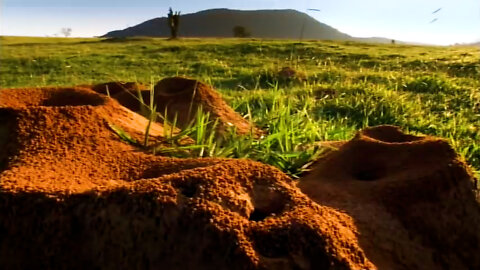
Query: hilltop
(275, 24)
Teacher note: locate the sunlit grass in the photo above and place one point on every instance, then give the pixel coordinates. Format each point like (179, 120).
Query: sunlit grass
(347, 86)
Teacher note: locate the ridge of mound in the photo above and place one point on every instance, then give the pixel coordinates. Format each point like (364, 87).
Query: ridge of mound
(73, 195)
(412, 199)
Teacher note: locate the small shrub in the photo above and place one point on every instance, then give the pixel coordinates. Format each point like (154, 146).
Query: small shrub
(173, 23)
(284, 77)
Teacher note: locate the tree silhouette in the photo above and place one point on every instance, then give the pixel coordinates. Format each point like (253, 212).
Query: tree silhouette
(173, 23)
(240, 31)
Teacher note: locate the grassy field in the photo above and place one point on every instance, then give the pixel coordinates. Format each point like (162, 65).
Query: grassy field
(343, 86)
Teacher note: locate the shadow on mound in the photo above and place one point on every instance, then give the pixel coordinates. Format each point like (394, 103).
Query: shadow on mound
(411, 197)
(8, 142)
(72, 97)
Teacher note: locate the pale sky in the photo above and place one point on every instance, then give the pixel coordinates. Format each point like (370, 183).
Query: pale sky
(458, 21)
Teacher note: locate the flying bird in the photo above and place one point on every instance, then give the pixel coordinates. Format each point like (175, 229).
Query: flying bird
(434, 20)
(313, 9)
(436, 10)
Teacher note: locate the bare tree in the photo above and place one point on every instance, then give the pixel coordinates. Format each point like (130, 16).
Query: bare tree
(173, 23)
(66, 31)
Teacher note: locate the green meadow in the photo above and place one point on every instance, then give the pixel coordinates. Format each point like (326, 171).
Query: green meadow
(340, 87)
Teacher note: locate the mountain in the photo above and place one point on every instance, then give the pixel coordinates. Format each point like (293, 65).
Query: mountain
(275, 24)
(474, 44)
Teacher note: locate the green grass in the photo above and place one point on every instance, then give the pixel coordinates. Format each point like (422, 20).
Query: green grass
(288, 145)
(348, 86)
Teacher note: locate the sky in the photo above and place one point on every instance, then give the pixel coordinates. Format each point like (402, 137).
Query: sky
(458, 21)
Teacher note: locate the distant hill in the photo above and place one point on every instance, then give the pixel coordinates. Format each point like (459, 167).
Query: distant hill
(474, 44)
(275, 24)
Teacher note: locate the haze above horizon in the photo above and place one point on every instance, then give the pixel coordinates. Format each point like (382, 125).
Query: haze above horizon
(407, 20)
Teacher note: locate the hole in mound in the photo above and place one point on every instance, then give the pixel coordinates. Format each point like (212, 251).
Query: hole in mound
(368, 173)
(258, 215)
(175, 86)
(188, 189)
(389, 134)
(72, 97)
(267, 202)
(7, 143)
(189, 192)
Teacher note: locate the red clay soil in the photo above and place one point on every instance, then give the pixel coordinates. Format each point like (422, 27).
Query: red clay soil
(412, 199)
(74, 196)
(182, 97)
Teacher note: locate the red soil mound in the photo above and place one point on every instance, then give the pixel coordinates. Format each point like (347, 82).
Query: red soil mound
(184, 96)
(73, 195)
(181, 97)
(412, 199)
